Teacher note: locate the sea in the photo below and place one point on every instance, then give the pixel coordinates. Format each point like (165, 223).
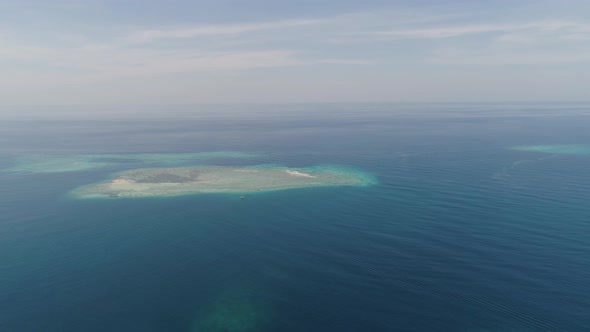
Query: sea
(478, 220)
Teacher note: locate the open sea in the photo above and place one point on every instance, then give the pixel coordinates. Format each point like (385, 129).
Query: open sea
(479, 220)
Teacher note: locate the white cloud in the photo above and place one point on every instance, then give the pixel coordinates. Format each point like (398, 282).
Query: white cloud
(506, 31)
(336, 61)
(547, 31)
(124, 57)
(439, 32)
(105, 60)
(150, 35)
(496, 57)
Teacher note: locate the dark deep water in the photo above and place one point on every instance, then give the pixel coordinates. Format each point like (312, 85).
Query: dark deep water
(461, 233)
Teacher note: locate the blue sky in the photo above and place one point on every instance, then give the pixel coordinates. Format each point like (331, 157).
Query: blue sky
(165, 52)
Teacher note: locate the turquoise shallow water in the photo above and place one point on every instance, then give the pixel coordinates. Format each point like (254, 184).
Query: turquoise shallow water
(460, 232)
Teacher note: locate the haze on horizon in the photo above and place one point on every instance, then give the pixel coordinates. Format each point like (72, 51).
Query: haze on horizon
(147, 51)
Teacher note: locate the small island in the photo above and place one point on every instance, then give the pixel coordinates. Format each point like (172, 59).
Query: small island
(154, 182)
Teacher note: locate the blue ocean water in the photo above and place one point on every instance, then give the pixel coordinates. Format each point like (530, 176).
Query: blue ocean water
(461, 232)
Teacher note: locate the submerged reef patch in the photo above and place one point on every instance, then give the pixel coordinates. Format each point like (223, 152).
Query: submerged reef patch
(236, 310)
(577, 149)
(85, 162)
(153, 182)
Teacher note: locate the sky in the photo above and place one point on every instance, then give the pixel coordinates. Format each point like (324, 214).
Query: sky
(258, 51)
